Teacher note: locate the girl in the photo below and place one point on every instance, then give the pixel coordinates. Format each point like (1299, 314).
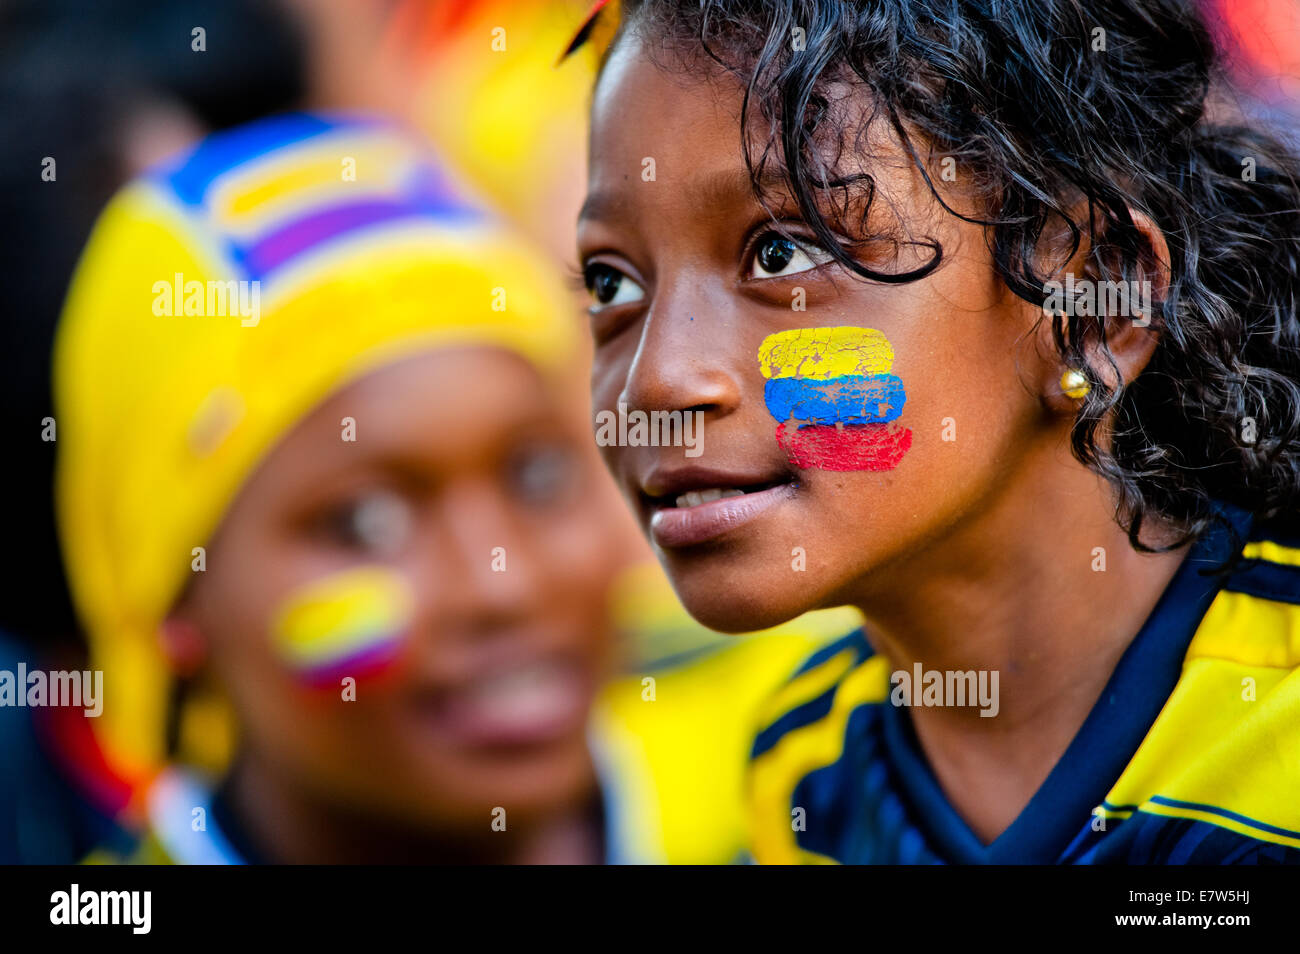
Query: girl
(991, 310)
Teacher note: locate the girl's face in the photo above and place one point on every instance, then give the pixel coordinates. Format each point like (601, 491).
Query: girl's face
(871, 426)
(433, 532)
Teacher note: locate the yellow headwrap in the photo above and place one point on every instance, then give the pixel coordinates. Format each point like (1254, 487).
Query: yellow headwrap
(218, 301)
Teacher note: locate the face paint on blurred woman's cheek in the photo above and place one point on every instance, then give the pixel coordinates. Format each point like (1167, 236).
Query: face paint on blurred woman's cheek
(834, 399)
(352, 623)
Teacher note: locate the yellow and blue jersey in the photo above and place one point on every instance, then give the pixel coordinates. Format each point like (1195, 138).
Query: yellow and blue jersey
(1191, 755)
(672, 733)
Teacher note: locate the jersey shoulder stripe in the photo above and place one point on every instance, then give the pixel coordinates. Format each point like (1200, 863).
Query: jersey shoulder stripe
(809, 693)
(1212, 774)
(808, 738)
(1225, 749)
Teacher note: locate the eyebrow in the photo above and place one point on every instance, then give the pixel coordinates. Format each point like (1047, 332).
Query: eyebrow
(721, 188)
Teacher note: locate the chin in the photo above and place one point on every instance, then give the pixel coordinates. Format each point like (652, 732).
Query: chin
(733, 601)
(531, 786)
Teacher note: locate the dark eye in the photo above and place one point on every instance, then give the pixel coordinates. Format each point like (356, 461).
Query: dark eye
(377, 523)
(609, 286)
(543, 475)
(777, 255)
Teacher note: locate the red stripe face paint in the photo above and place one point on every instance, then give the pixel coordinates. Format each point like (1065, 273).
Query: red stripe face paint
(851, 447)
(858, 359)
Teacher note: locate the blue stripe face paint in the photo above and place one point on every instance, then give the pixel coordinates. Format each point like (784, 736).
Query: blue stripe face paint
(850, 399)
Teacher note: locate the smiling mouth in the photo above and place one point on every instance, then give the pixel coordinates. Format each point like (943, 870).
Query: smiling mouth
(528, 703)
(687, 517)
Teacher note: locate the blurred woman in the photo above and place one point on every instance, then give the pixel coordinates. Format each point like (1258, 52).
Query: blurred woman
(330, 512)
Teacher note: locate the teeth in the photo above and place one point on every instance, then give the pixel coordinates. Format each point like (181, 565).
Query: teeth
(694, 498)
(519, 698)
(514, 684)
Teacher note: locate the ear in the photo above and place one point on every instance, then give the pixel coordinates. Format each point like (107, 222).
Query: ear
(1092, 300)
(183, 645)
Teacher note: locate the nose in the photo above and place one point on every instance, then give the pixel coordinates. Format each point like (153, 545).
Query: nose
(486, 575)
(680, 362)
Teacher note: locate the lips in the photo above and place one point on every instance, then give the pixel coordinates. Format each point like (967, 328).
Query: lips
(531, 702)
(694, 505)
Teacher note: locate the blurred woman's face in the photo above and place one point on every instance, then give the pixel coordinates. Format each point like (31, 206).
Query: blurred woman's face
(448, 561)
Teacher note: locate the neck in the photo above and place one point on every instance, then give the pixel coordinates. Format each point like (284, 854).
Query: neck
(292, 825)
(1019, 590)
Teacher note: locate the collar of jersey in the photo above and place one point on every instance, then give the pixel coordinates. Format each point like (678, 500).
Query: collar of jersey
(1109, 737)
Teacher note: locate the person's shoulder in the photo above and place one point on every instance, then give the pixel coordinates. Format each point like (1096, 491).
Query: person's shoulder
(1254, 620)
(806, 730)
(835, 679)
(1222, 762)
(673, 733)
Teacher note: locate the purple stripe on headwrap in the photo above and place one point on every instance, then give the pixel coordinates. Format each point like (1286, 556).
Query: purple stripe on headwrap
(275, 249)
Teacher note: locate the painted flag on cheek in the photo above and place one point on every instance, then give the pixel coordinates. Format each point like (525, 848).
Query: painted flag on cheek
(833, 398)
(352, 623)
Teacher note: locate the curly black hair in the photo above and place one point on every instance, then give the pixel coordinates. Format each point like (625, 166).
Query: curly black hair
(1069, 116)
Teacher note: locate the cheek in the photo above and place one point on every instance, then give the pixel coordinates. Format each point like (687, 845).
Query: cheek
(975, 427)
(235, 606)
(610, 368)
(607, 377)
(234, 617)
(833, 397)
(283, 648)
(896, 436)
(970, 413)
(349, 625)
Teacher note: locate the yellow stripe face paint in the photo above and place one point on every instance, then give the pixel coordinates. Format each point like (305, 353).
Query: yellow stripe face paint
(351, 623)
(817, 354)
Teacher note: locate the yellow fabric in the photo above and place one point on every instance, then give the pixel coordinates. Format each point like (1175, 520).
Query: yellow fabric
(677, 727)
(1271, 552)
(687, 746)
(1229, 736)
(774, 774)
(517, 127)
(1225, 748)
(161, 419)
